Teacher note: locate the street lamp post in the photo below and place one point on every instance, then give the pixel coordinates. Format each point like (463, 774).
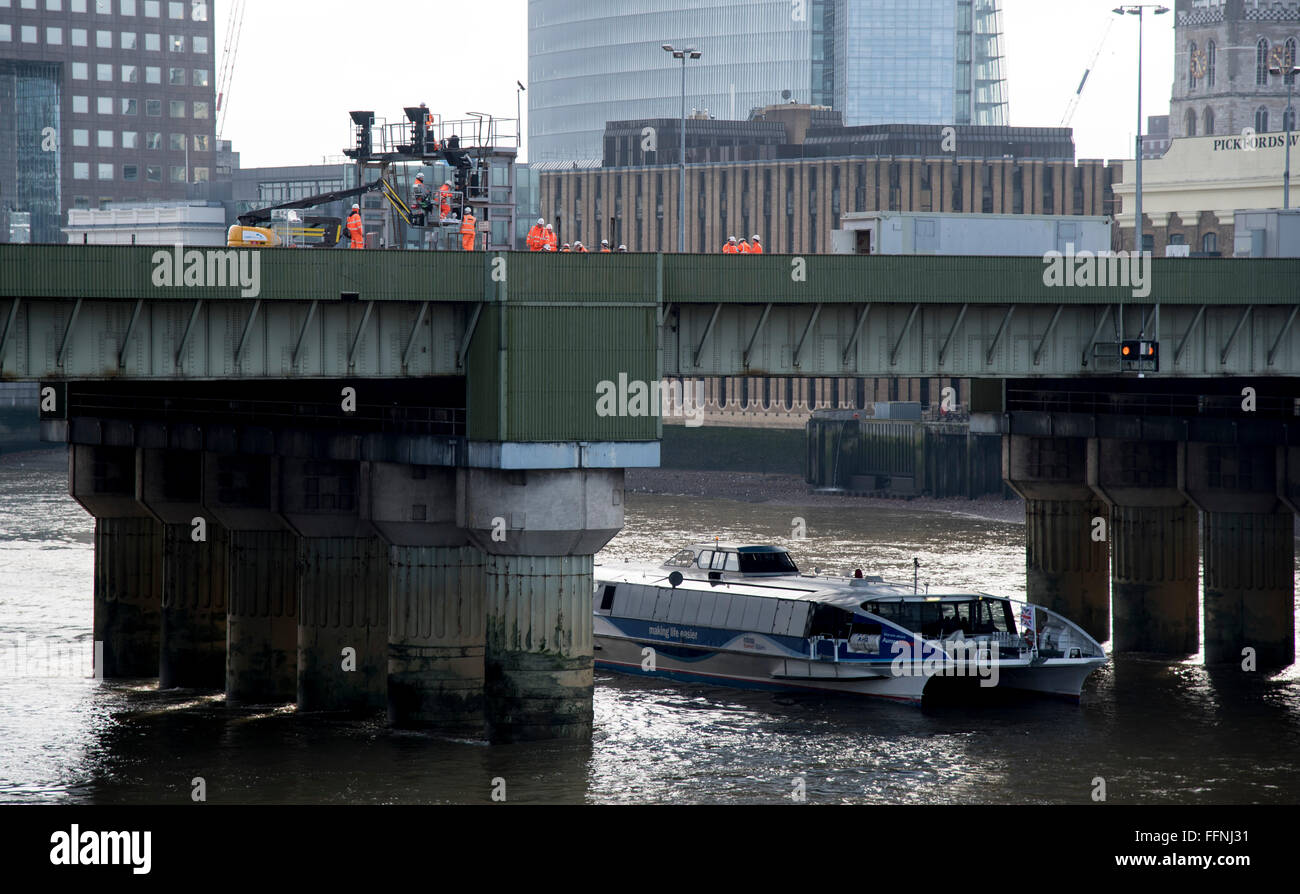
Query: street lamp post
(1288, 68)
(1137, 9)
(682, 54)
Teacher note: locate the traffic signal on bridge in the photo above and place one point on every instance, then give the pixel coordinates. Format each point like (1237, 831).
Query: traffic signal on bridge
(1139, 355)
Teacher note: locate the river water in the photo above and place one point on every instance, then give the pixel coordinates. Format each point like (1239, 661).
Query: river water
(1154, 731)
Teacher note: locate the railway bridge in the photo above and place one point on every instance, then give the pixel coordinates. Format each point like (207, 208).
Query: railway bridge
(369, 480)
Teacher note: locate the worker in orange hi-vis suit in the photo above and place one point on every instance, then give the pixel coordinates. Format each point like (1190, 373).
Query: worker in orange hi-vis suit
(742, 247)
(756, 245)
(604, 247)
(551, 239)
(444, 201)
(356, 232)
(537, 235)
(730, 248)
(467, 230)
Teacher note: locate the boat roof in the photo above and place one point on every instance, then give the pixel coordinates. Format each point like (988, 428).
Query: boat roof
(845, 593)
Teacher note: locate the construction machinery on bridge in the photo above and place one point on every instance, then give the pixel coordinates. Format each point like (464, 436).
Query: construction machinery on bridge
(474, 157)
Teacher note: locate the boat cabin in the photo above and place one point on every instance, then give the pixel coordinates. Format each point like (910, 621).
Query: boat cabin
(747, 561)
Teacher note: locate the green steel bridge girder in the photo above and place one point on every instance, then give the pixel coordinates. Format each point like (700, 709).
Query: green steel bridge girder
(542, 329)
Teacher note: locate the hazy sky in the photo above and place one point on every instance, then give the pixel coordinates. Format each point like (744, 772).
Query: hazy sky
(303, 64)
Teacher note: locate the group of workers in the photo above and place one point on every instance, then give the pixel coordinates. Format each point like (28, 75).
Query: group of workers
(422, 202)
(468, 228)
(753, 247)
(541, 237)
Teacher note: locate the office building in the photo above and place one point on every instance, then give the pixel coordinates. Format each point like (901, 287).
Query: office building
(103, 101)
(875, 61)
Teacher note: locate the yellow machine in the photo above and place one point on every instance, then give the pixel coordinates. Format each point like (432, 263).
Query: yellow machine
(251, 237)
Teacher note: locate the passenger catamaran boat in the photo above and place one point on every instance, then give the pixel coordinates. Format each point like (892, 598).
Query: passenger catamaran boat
(745, 616)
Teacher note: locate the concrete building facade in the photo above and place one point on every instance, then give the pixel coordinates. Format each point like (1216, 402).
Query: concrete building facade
(103, 101)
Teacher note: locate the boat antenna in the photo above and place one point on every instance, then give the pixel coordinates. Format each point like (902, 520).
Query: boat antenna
(916, 570)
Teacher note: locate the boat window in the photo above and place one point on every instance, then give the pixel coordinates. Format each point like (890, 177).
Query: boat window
(768, 563)
(607, 598)
(956, 616)
(719, 560)
(683, 559)
(827, 620)
(992, 616)
(706, 556)
(732, 564)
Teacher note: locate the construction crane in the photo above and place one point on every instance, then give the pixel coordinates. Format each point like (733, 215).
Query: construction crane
(229, 53)
(1078, 94)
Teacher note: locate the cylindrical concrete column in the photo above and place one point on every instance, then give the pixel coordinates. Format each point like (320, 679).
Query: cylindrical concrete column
(1249, 586)
(128, 583)
(342, 624)
(1067, 570)
(436, 639)
(262, 624)
(194, 586)
(1154, 567)
(538, 664)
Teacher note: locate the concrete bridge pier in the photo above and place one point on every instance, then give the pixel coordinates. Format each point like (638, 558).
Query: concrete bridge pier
(1067, 568)
(342, 638)
(128, 560)
(262, 600)
(194, 566)
(436, 601)
(1247, 547)
(1153, 545)
(540, 530)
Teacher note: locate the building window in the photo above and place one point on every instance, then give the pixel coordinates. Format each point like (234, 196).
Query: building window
(153, 42)
(127, 7)
(128, 40)
(104, 139)
(130, 173)
(80, 71)
(176, 142)
(1208, 120)
(80, 137)
(79, 37)
(153, 108)
(6, 33)
(176, 77)
(176, 108)
(81, 105)
(200, 110)
(104, 105)
(199, 10)
(80, 170)
(1261, 120)
(175, 9)
(1211, 63)
(81, 203)
(199, 44)
(105, 171)
(28, 33)
(1289, 60)
(130, 139)
(104, 40)
(1210, 243)
(1192, 62)
(130, 74)
(1261, 63)
(176, 43)
(201, 175)
(151, 8)
(152, 140)
(152, 74)
(178, 173)
(201, 143)
(104, 7)
(54, 36)
(1190, 123)
(153, 173)
(201, 77)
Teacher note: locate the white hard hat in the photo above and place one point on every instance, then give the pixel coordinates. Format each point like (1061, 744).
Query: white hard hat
(622, 248)
(419, 176)
(756, 239)
(356, 207)
(604, 242)
(549, 227)
(731, 238)
(541, 222)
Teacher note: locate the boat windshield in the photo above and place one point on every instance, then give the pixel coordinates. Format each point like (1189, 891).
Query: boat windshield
(767, 563)
(937, 618)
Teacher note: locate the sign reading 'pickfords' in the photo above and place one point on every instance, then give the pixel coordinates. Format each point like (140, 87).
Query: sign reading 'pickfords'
(1253, 142)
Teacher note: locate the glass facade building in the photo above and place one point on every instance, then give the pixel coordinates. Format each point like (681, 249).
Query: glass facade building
(921, 62)
(877, 61)
(103, 101)
(592, 61)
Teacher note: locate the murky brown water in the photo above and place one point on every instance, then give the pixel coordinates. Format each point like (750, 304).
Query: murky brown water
(1156, 731)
